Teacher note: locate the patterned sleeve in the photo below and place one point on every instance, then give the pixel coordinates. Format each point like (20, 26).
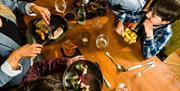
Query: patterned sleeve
(45, 67)
(152, 46)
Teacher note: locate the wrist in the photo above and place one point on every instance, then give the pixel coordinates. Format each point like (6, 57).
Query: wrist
(33, 8)
(30, 9)
(149, 35)
(14, 59)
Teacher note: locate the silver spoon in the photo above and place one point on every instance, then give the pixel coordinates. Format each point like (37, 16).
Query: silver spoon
(119, 67)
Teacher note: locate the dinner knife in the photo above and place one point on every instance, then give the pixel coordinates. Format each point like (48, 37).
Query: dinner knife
(140, 65)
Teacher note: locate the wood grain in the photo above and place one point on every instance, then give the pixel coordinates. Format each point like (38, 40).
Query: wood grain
(159, 78)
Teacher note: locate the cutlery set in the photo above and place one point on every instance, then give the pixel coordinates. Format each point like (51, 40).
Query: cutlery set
(121, 68)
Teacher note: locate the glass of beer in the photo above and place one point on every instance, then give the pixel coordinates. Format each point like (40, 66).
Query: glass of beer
(69, 47)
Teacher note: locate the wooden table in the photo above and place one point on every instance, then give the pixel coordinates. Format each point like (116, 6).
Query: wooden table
(159, 78)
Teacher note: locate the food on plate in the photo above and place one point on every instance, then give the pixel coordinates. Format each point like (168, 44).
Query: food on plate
(78, 80)
(41, 29)
(41, 24)
(129, 36)
(41, 34)
(84, 87)
(75, 81)
(82, 68)
(44, 30)
(57, 33)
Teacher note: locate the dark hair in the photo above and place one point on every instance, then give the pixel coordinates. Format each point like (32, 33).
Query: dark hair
(168, 10)
(42, 84)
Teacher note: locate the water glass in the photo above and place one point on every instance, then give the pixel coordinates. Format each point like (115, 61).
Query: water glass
(122, 87)
(60, 6)
(102, 41)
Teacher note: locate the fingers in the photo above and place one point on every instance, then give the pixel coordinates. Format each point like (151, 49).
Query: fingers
(43, 12)
(119, 31)
(46, 16)
(120, 28)
(35, 49)
(80, 57)
(37, 45)
(71, 60)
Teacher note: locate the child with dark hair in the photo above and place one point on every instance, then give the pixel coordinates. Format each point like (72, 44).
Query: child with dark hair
(157, 25)
(42, 84)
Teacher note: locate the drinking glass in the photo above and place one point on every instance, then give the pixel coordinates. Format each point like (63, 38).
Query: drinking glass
(85, 38)
(125, 85)
(69, 47)
(60, 6)
(102, 41)
(121, 87)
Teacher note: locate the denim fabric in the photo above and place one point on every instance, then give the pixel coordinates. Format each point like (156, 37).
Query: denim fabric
(15, 4)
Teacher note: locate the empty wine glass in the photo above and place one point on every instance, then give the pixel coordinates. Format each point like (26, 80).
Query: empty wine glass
(60, 6)
(102, 41)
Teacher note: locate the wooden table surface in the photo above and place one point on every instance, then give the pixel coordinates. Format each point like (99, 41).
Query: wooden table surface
(159, 78)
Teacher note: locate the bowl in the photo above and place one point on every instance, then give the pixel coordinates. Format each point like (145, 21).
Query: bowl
(93, 77)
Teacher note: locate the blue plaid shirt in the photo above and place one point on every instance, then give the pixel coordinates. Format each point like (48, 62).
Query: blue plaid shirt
(131, 10)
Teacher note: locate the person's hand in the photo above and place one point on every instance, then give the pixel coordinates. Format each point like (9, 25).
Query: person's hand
(43, 12)
(148, 26)
(28, 50)
(120, 28)
(74, 59)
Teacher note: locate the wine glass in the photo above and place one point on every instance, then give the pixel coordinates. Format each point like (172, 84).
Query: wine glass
(102, 41)
(60, 6)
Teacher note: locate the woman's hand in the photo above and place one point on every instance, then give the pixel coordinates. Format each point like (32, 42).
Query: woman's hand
(43, 12)
(28, 50)
(120, 28)
(74, 59)
(148, 26)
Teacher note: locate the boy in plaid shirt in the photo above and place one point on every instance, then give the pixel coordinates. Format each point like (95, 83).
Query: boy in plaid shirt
(157, 26)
